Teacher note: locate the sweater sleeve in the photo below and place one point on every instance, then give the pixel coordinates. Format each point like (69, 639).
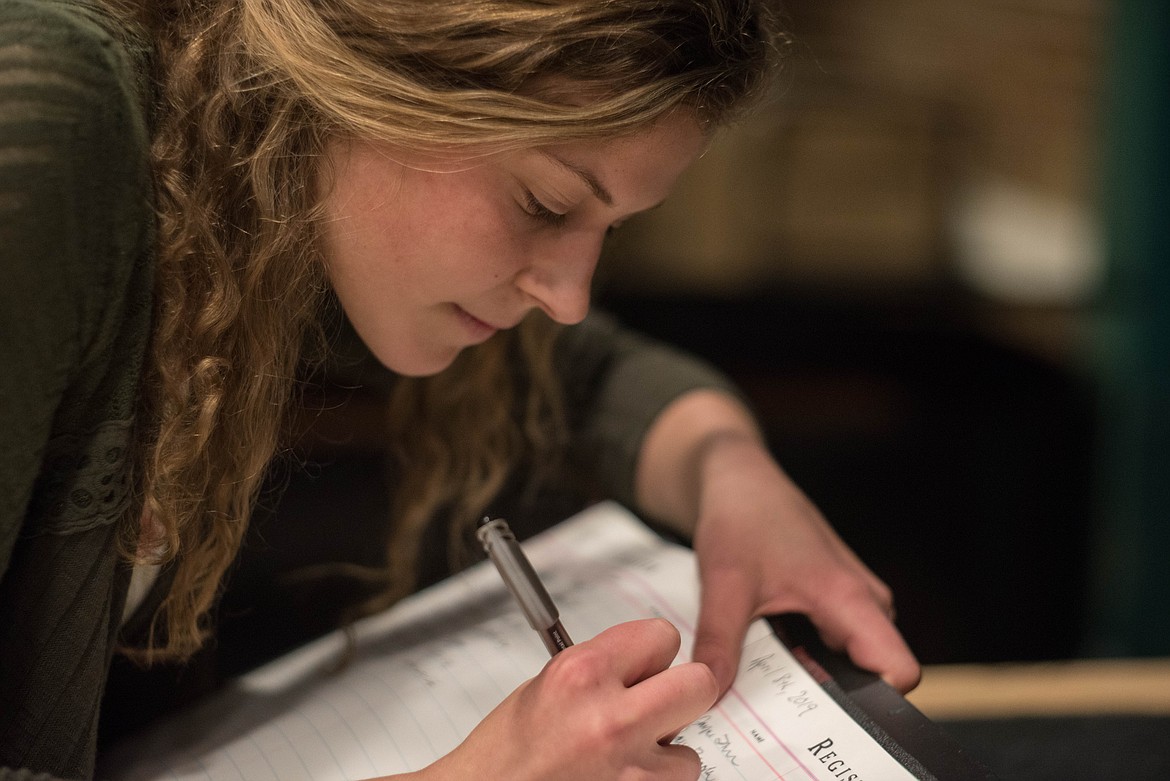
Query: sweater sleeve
(616, 383)
(72, 203)
(74, 311)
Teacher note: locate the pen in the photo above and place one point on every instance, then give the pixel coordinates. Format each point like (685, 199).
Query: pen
(521, 579)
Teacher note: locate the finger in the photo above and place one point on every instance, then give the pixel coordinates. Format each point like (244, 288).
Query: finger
(864, 632)
(677, 762)
(672, 699)
(725, 610)
(638, 649)
(878, 588)
(885, 652)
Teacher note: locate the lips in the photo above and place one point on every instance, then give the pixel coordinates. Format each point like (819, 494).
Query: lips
(485, 323)
(476, 329)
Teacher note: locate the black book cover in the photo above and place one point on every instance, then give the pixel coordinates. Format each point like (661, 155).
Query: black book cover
(919, 744)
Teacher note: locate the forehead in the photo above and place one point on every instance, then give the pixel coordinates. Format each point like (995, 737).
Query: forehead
(657, 151)
(673, 135)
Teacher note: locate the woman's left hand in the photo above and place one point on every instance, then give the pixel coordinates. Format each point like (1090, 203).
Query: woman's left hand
(763, 547)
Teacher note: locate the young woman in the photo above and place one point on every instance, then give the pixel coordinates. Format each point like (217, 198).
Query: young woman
(189, 189)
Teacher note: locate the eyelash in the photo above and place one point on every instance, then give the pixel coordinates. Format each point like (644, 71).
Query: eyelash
(537, 210)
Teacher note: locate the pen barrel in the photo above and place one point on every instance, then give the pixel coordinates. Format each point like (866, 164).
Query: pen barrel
(520, 578)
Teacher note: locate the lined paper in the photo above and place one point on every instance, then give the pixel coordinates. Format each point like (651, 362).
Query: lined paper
(427, 671)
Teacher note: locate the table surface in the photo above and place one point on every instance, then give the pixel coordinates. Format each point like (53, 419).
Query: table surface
(1086, 687)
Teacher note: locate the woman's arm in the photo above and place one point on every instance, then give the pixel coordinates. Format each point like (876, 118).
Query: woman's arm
(666, 433)
(763, 547)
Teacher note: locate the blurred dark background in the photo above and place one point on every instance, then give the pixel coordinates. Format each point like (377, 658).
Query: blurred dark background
(936, 262)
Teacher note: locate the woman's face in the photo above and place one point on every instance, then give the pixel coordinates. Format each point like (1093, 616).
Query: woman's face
(431, 256)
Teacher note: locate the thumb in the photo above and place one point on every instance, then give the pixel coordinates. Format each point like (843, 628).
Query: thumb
(725, 610)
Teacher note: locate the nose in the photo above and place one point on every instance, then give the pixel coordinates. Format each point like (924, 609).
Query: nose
(559, 277)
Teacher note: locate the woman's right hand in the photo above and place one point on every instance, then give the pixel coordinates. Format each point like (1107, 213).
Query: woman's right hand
(603, 709)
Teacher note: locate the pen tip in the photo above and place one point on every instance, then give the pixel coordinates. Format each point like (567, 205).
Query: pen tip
(486, 520)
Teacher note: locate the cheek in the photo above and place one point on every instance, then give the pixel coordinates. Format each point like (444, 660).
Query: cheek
(452, 230)
(353, 252)
(355, 236)
(472, 233)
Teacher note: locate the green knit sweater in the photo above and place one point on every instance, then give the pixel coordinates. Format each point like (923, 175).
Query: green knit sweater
(75, 225)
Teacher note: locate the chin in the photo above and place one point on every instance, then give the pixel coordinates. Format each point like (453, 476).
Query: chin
(419, 365)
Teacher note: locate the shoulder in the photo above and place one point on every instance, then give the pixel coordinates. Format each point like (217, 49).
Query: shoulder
(76, 228)
(74, 175)
(65, 44)
(69, 70)
(81, 31)
(70, 73)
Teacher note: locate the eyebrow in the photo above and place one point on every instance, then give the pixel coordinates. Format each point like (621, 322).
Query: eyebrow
(592, 182)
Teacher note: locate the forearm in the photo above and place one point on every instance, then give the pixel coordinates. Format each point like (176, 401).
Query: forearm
(696, 436)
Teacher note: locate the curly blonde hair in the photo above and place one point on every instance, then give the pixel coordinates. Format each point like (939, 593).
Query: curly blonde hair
(248, 94)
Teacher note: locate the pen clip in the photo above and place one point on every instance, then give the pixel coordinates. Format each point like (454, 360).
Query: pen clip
(521, 579)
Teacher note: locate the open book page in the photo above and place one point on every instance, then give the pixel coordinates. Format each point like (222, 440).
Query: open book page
(427, 671)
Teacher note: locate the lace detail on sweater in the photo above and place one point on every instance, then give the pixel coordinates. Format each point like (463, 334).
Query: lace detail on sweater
(84, 481)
